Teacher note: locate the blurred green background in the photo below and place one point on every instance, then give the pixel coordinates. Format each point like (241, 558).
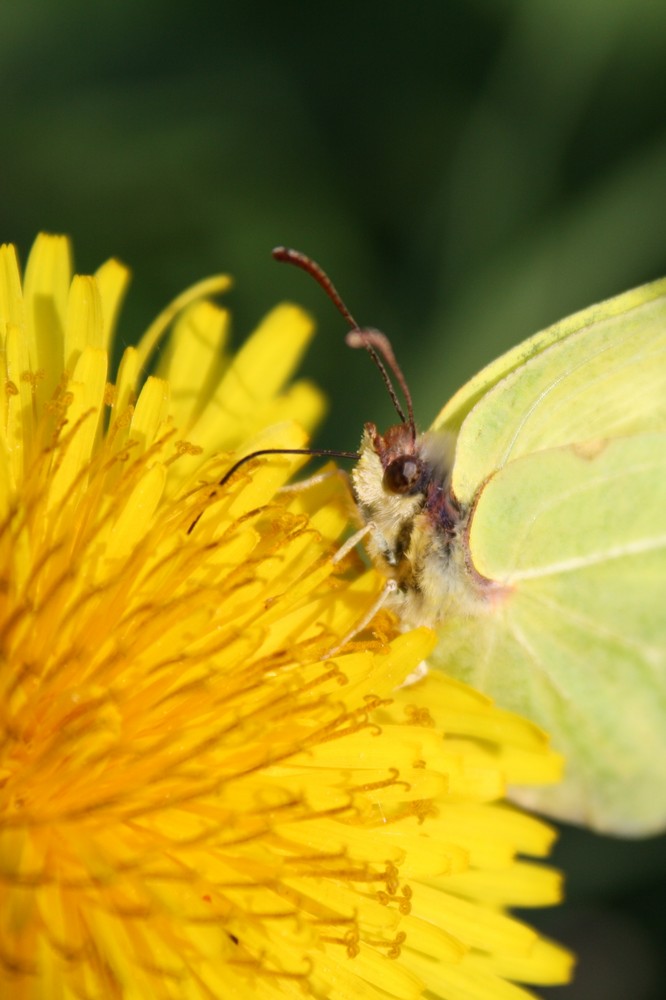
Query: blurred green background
(468, 172)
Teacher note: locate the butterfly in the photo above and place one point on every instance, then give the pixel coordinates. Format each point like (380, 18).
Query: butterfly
(528, 527)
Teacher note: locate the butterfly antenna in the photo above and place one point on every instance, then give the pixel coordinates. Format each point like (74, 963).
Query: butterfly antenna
(371, 340)
(325, 452)
(374, 341)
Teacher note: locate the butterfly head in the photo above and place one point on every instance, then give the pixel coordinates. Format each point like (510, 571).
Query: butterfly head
(402, 487)
(404, 470)
(402, 480)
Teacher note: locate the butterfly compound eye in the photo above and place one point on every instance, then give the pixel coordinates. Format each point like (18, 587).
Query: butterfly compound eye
(404, 475)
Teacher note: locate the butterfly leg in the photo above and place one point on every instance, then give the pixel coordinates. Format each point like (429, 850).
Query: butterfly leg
(352, 542)
(388, 591)
(319, 477)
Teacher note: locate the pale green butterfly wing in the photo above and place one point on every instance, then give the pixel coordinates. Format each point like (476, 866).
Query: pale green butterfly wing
(556, 450)
(600, 373)
(575, 635)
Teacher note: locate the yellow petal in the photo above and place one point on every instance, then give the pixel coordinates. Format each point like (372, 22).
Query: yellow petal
(112, 279)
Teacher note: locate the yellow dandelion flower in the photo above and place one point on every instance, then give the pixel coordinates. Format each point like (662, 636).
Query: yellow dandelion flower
(199, 798)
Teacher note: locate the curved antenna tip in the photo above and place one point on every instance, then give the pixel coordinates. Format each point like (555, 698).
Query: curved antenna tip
(371, 340)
